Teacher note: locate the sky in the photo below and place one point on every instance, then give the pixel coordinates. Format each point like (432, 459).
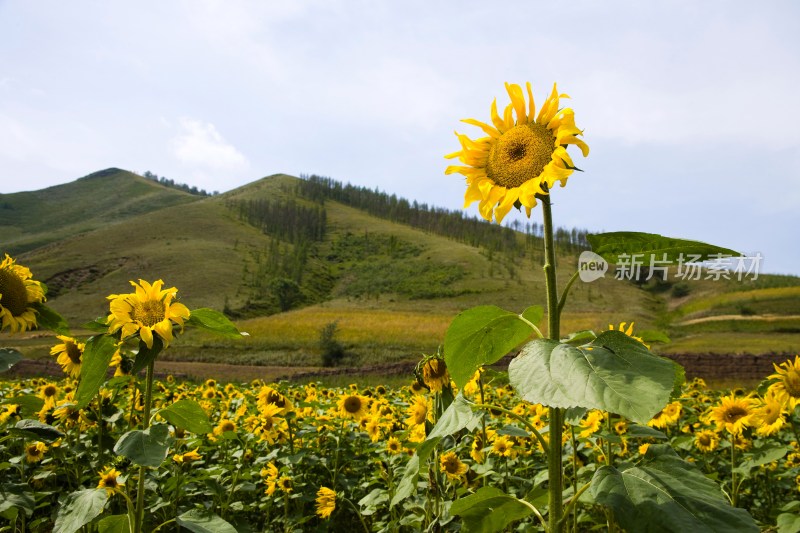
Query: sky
(690, 108)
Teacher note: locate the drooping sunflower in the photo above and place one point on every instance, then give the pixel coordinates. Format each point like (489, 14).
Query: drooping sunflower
(69, 355)
(146, 311)
(326, 502)
(18, 293)
(435, 374)
(733, 414)
(451, 466)
(787, 386)
(521, 157)
(109, 480)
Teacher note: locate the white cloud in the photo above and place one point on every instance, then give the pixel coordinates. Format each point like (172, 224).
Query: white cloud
(200, 144)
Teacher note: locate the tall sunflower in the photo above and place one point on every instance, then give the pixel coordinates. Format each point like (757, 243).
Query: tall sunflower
(18, 294)
(520, 157)
(146, 311)
(733, 414)
(786, 387)
(69, 355)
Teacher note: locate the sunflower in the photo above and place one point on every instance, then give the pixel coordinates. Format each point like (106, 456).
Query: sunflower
(733, 414)
(109, 481)
(69, 355)
(476, 449)
(768, 416)
(187, 457)
(451, 465)
(18, 294)
(591, 424)
(627, 331)
(435, 374)
(787, 385)
(521, 157)
(326, 502)
(394, 446)
(34, 452)
(417, 411)
(285, 484)
(146, 311)
(502, 446)
(224, 426)
(353, 406)
(668, 416)
(706, 441)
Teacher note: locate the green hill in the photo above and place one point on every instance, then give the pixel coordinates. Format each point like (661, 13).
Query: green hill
(286, 257)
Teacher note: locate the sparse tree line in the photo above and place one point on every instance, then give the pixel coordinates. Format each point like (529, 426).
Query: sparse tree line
(286, 220)
(166, 182)
(453, 224)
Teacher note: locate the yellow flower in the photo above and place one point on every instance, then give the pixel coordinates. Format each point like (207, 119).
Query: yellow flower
(187, 457)
(353, 406)
(109, 480)
(451, 465)
(18, 294)
(417, 411)
(733, 414)
(521, 157)
(326, 502)
(787, 386)
(69, 355)
(224, 426)
(394, 446)
(768, 416)
(627, 331)
(435, 374)
(146, 311)
(643, 448)
(285, 484)
(34, 452)
(502, 446)
(669, 415)
(269, 396)
(706, 441)
(591, 424)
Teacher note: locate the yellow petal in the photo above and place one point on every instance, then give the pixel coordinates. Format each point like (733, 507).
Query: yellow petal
(532, 112)
(490, 131)
(496, 120)
(518, 101)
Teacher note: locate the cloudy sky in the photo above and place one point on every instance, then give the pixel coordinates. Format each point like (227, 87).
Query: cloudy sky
(691, 109)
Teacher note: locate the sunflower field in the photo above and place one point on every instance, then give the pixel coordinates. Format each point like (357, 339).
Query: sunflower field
(288, 457)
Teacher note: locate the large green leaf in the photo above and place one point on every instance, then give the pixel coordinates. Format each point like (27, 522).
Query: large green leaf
(613, 373)
(96, 356)
(214, 321)
(17, 496)
(146, 355)
(610, 246)
(46, 318)
(764, 454)
(188, 415)
(147, 447)
(480, 336)
(199, 521)
(8, 358)
(459, 415)
(79, 508)
(665, 493)
(489, 509)
(118, 523)
(37, 430)
(29, 403)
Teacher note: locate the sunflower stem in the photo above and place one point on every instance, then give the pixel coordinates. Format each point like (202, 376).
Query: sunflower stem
(148, 398)
(554, 457)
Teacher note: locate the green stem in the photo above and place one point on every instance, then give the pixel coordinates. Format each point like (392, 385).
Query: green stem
(574, 478)
(148, 399)
(734, 488)
(554, 460)
(565, 292)
(483, 421)
(358, 513)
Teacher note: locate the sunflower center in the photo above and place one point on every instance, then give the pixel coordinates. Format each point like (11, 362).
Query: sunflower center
(13, 295)
(451, 465)
(73, 352)
(149, 312)
(704, 440)
(520, 154)
(735, 413)
(352, 404)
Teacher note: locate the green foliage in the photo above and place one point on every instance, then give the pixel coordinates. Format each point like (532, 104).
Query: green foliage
(147, 447)
(613, 373)
(188, 415)
(201, 521)
(79, 509)
(215, 322)
(8, 358)
(96, 357)
(36, 430)
(489, 509)
(610, 246)
(665, 493)
(331, 350)
(415, 279)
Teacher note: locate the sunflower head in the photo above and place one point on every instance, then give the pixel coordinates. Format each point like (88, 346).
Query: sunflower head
(109, 480)
(69, 354)
(706, 440)
(451, 466)
(18, 294)
(353, 406)
(285, 484)
(147, 311)
(326, 502)
(733, 414)
(434, 373)
(786, 386)
(34, 452)
(522, 155)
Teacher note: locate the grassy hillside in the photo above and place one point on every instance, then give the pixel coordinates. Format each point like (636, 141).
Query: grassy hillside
(285, 265)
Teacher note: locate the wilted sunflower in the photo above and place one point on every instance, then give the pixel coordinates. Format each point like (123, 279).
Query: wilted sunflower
(435, 374)
(146, 311)
(451, 465)
(521, 157)
(69, 355)
(787, 386)
(18, 293)
(109, 481)
(733, 414)
(326, 502)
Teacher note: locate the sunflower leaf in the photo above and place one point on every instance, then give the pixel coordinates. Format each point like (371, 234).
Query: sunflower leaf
(481, 336)
(147, 447)
(36, 430)
(665, 493)
(8, 358)
(201, 521)
(188, 415)
(489, 509)
(610, 246)
(97, 355)
(48, 319)
(80, 508)
(613, 373)
(214, 321)
(146, 355)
